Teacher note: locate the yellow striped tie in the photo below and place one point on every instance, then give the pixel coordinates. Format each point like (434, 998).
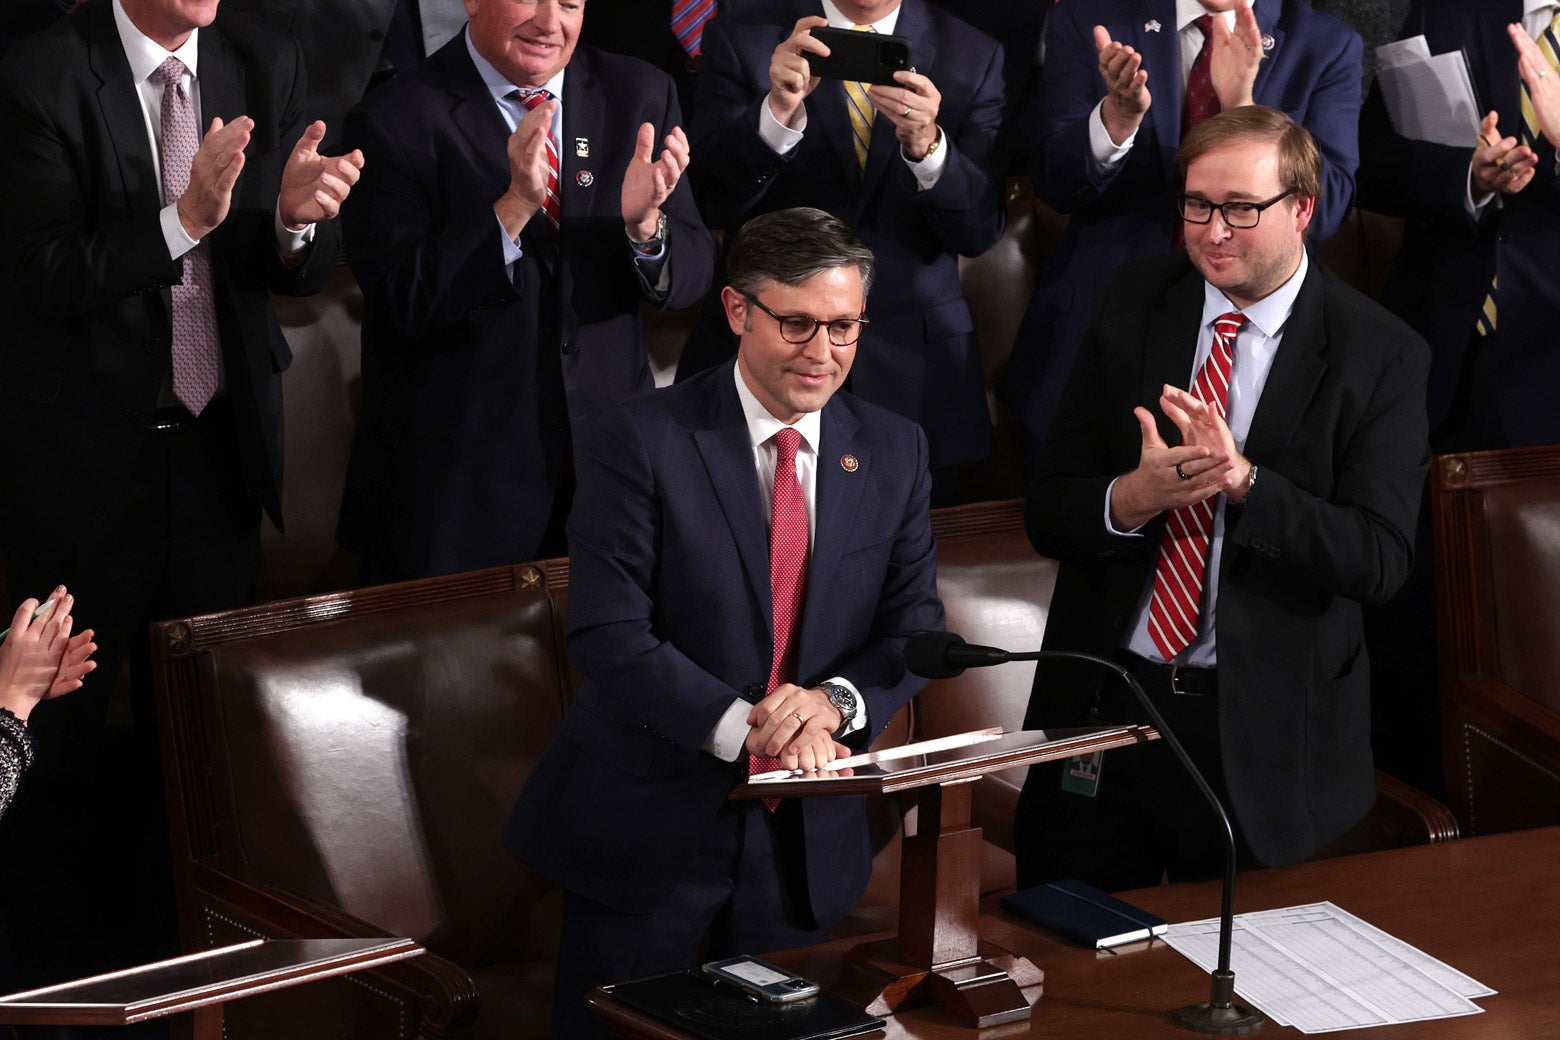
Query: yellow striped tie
(1549, 43)
(860, 111)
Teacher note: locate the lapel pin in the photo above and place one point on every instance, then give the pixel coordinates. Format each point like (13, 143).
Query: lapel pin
(585, 178)
(1267, 43)
(1152, 25)
(849, 463)
(582, 147)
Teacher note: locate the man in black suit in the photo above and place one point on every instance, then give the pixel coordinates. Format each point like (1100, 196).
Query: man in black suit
(503, 312)
(141, 359)
(1294, 494)
(919, 179)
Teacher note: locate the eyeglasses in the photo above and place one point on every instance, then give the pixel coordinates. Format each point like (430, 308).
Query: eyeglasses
(799, 328)
(1237, 213)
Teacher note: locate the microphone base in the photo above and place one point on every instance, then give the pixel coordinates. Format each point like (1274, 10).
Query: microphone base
(1233, 1020)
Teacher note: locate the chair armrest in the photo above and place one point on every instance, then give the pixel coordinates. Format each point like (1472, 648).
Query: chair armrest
(1412, 811)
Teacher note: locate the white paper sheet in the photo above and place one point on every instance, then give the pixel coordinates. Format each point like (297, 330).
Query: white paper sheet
(1429, 97)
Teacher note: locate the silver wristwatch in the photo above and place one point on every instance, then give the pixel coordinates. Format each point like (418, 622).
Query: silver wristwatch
(844, 700)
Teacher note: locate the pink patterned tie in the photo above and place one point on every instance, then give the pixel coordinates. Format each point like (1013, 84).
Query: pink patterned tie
(1183, 550)
(688, 18)
(552, 207)
(787, 576)
(196, 357)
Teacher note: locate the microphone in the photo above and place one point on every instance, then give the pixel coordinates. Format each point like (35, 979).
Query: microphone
(943, 655)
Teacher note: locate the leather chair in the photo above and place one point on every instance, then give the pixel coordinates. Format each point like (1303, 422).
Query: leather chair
(1497, 534)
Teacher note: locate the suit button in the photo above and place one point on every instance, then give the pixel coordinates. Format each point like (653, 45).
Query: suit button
(569, 347)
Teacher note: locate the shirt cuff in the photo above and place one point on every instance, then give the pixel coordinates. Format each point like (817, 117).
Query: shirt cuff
(1474, 206)
(780, 138)
(1105, 153)
(289, 241)
(930, 168)
(179, 242)
(512, 250)
(1136, 532)
(729, 737)
(653, 270)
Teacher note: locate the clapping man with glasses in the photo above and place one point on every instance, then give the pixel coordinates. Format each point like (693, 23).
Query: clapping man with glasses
(750, 550)
(1235, 469)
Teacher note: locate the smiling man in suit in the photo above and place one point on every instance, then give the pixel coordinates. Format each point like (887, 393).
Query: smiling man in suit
(917, 176)
(750, 551)
(515, 220)
(1122, 83)
(1289, 477)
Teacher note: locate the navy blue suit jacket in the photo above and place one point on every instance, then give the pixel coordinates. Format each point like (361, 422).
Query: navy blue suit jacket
(669, 621)
(84, 268)
(471, 379)
(1312, 72)
(1341, 441)
(1447, 261)
(918, 357)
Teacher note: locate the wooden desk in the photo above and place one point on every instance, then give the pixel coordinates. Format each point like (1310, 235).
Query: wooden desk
(1487, 906)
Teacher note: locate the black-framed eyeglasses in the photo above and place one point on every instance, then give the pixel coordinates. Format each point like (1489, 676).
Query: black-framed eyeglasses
(799, 328)
(1237, 213)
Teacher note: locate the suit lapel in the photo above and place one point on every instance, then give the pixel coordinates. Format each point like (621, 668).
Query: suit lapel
(915, 25)
(1268, 14)
(1495, 55)
(1297, 369)
(838, 490)
(120, 107)
(222, 91)
(728, 459)
(1162, 58)
(1171, 334)
(584, 118)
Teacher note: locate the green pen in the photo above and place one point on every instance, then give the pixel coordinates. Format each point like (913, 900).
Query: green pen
(37, 612)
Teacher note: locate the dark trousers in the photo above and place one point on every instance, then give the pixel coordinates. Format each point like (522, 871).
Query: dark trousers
(85, 846)
(745, 891)
(1147, 820)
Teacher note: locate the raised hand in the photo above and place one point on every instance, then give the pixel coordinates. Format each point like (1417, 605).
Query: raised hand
(790, 78)
(313, 185)
(648, 183)
(1128, 100)
(1236, 56)
(213, 172)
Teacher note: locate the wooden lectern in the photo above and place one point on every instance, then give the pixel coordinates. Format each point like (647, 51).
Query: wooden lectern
(938, 955)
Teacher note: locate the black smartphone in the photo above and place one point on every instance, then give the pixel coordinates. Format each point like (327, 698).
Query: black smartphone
(761, 980)
(864, 56)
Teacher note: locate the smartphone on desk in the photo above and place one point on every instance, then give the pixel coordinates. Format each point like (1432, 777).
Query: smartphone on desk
(761, 980)
(868, 57)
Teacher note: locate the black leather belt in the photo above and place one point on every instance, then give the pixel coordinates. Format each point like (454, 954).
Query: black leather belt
(1170, 679)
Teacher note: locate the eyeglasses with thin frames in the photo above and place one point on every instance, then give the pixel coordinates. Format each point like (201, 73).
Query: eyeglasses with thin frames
(1237, 213)
(799, 328)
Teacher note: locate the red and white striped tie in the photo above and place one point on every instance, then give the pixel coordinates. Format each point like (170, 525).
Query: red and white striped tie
(1183, 550)
(552, 207)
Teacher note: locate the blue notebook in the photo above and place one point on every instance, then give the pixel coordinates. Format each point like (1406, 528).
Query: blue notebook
(1084, 913)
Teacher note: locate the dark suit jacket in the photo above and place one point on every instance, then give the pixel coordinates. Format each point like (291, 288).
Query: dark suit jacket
(918, 356)
(1313, 73)
(84, 270)
(1340, 438)
(1447, 261)
(464, 435)
(669, 620)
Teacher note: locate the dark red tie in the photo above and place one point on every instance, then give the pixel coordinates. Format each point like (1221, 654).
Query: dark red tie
(1183, 549)
(552, 207)
(1200, 101)
(787, 575)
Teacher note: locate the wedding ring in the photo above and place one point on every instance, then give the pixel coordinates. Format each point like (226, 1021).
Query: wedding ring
(1182, 473)
(798, 717)
(1542, 73)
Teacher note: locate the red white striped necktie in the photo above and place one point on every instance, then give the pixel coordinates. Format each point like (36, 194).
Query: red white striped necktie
(553, 208)
(787, 576)
(1176, 607)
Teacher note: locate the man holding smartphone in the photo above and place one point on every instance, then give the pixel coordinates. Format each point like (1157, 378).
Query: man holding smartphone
(910, 164)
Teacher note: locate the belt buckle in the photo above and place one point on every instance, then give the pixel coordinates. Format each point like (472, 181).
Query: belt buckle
(1175, 683)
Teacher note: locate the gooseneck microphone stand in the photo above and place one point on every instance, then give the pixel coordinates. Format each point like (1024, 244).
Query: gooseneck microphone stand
(943, 655)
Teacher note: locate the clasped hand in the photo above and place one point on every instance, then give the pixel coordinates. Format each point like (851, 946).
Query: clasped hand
(1205, 464)
(796, 726)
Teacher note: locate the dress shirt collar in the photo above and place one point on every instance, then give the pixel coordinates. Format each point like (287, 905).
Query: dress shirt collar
(1188, 11)
(500, 87)
(1537, 6)
(1268, 314)
(886, 24)
(762, 426)
(147, 55)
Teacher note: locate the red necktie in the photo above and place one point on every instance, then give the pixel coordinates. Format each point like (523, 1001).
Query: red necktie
(787, 575)
(552, 207)
(196, 361)
(688, 18)
(1183, 550)
(1200, 101)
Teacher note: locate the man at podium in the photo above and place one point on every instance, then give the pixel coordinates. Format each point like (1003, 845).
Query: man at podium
(1221, 544)
(750, 551)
